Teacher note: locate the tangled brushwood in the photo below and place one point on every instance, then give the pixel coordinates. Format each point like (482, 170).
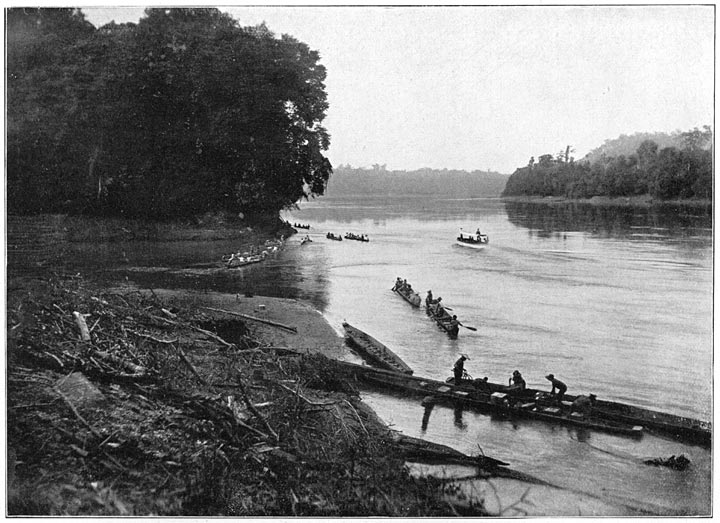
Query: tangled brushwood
(122, 404)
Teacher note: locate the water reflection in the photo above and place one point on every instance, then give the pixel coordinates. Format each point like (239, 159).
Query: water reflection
(547, 220)
(428, 405)
(458, 417)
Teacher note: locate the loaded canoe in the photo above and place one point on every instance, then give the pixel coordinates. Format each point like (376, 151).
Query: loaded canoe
(374, 351)
(412, 297)
(443, 322)
(607, 416)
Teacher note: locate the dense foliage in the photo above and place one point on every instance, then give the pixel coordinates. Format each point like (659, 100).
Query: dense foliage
(674, 172)
(183, 113)
(378, 180)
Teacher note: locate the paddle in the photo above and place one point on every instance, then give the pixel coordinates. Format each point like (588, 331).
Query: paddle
(469, 328)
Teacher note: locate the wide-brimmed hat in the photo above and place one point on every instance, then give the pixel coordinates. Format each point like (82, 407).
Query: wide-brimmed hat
(464, 356)
(550, 376)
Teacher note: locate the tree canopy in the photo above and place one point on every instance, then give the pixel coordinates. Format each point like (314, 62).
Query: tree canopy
(182, 113)
(674, 172)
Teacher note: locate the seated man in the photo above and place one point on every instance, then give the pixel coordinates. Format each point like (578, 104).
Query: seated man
(583, 405)
(517, 382)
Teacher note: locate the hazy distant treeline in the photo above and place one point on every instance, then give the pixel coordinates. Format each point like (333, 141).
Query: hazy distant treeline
(183, 113)
(347, 180)
(679, 171)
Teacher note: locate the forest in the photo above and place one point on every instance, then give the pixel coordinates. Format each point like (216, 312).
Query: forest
(184, 113)
(628, 166)
(448, 183)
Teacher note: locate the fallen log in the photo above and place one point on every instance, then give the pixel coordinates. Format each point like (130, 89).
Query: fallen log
(253, 318)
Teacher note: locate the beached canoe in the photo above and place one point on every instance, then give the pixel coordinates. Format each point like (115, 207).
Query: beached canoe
(234, 261)
(607, 416)
(479, 396)
(374, 351)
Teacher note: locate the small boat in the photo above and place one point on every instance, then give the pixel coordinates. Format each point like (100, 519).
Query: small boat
(301, 226)
(236, 260)
(357, 237)
(443, 321)
(305, 240)
(374, 351)
(409, 295)
(476, 240)
(331, 236)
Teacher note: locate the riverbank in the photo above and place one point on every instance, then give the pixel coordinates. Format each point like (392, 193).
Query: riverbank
(167, 408)
(644, 201)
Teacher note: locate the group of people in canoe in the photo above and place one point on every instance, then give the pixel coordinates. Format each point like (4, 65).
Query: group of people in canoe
(301, 226)
(331, 236)
(436, 308)
(358, 237)
(516, 386)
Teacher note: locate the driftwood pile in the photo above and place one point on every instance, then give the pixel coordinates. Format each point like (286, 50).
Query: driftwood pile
(121, 404)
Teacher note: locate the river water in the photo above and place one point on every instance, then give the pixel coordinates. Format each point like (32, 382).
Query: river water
(613, 301)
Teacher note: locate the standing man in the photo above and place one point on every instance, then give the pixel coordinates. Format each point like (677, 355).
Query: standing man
(557, 384)
(459, 368)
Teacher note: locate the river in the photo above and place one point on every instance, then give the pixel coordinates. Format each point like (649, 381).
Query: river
(613, 301)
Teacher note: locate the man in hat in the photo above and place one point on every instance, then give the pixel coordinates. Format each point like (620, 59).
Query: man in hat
(459, 369)
(557, 384)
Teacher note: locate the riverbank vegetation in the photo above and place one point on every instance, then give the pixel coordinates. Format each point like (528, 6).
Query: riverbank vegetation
(183, 113)
(121, 403)
(447, 183)
(682, 171)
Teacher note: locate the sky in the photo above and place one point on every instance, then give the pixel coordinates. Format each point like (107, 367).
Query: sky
(487, 87)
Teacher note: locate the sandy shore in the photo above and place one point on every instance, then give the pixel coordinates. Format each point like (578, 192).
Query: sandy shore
(314, 333)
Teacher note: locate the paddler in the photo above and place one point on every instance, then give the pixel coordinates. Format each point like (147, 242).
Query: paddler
(438, 309)
(398, 284)
(454, 325)
(557, 384)
(428, 299)
(459, 368)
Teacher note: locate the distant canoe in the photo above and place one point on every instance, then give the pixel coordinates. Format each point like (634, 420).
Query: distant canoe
(472, 239)
(356, 237)
(374, 351)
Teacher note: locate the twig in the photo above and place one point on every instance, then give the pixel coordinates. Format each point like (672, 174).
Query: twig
(358, 417)
(253, 318)
(309, 402)
(206, 333)
(153, 338)
(77, 414)
(252, 409)
(55, 358)
(189, 364)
